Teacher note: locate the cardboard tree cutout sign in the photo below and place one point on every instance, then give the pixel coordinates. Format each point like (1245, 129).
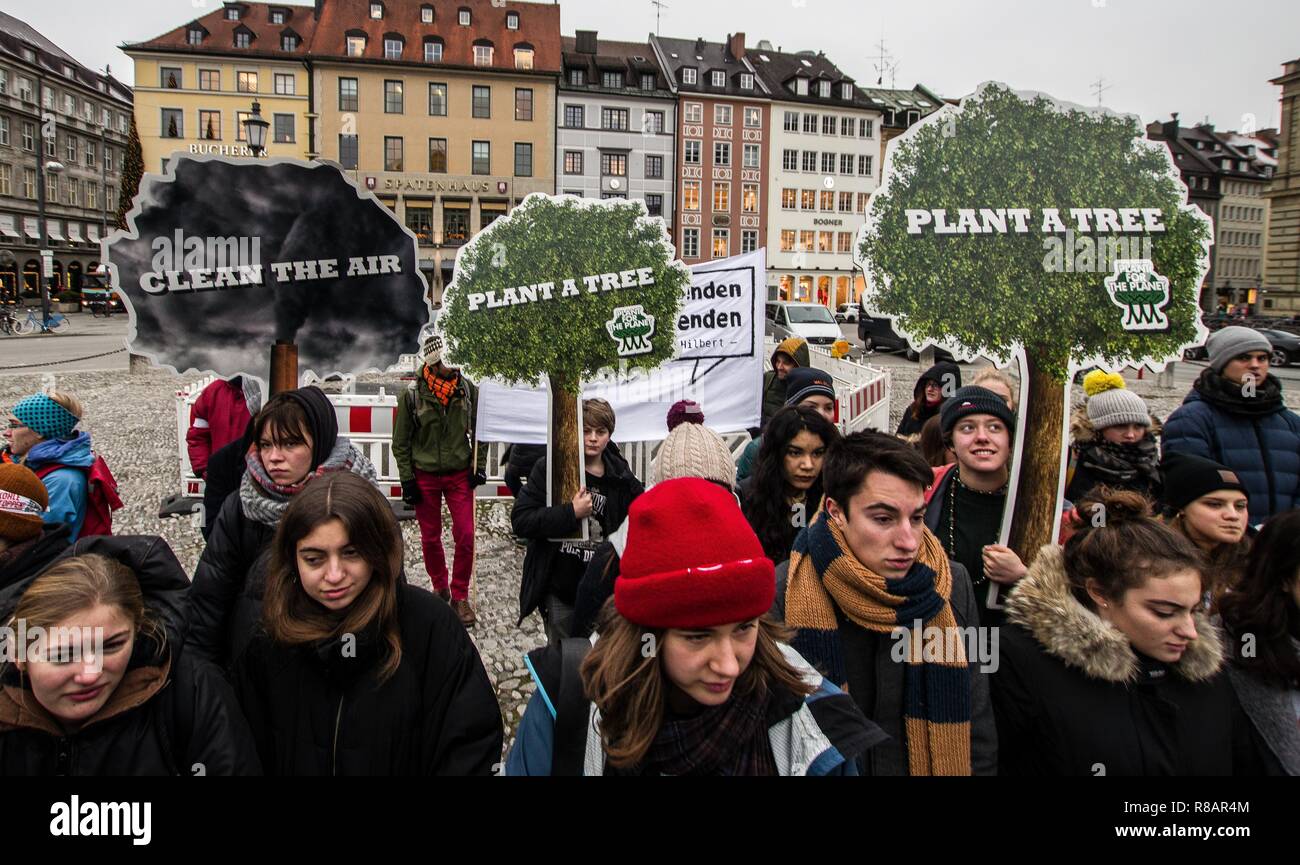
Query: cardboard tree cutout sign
(562, 289)
(1021, 227)
(222, 257)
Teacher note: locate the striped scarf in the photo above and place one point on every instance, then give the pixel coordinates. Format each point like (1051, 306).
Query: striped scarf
(441, 388)
(824, 575)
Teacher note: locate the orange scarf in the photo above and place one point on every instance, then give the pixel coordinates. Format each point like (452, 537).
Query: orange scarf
(441, 388)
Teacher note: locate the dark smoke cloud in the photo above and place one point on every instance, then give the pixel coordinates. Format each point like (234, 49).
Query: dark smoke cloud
(299, 211)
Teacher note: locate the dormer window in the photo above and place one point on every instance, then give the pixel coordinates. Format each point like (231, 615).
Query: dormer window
(393, 46)
(356, 46)
(647, 81)
(718, 79)
(824, 89)
(688, 75)
(426, 14)
(512, 21)
(578, 77)
(746, 81)
(846, 91)
(483, 50)
(289, 41)
(464, 16)
(523, 56)
(432, 50)
(277, 16)
(801, 86)
(243, 38)
(195, 36)
(376, 10)
(232, 14)
(611, 80)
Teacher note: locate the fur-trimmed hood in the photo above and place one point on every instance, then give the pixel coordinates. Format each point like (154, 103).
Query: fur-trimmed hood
(1082, 432)
(1043, 604)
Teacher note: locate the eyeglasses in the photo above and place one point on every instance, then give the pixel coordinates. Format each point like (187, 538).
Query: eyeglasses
(16, 424)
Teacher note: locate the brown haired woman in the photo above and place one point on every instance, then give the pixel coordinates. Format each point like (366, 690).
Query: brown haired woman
(1110, 665)
(101, 684)
(687, 675)
(294, 439)
(1206, 503)
(355, 672)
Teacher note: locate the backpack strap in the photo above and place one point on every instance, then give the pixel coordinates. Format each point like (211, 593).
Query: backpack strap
(413, 404)
(572, 710)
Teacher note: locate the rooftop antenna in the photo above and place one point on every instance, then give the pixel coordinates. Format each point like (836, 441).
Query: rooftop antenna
(883, 65)
(659, 7)
(1099, 87)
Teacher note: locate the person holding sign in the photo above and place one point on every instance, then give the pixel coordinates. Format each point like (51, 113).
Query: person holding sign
(866, 586)
(436, 454)
(1235, 415)
(355, 671)
(967, 500)
(688, 675)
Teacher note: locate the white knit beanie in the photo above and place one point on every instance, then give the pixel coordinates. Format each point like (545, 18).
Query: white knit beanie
(695, 451)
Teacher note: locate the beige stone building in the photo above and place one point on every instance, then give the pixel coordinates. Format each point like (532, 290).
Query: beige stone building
(1282, 274)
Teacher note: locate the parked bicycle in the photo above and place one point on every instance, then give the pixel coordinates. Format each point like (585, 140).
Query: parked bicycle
(32, 323)
(8, 321)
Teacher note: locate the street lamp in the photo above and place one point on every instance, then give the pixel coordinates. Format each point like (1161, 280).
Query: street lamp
(55, 168)
(255, 129)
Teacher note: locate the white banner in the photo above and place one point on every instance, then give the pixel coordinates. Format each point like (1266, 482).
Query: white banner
(719, 364)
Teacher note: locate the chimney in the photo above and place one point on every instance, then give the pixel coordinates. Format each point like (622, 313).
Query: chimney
(736, 46)
(320, 7)
(699, 46)
(586, 40)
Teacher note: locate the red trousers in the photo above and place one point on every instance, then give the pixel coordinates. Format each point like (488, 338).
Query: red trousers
(460, 503)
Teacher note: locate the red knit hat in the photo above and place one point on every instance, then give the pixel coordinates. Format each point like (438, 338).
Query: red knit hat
(691, 560)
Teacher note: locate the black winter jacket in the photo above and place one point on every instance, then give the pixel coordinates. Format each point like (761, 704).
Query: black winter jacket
(172, 713)
(22, 561)
(1072, 697)
(318, 710)
(225, 470)
(532, 519)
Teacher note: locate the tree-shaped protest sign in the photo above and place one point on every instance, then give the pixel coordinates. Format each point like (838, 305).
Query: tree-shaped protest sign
(562, 289)
(1020, 226)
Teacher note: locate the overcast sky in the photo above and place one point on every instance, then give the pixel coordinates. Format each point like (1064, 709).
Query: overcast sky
(1195, 57)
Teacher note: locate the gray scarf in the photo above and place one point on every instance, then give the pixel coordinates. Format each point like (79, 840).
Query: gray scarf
(267, 505)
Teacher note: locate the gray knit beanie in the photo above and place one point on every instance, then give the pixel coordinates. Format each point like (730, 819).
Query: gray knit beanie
(1231, 342)
(1110, 403)
(694, 451)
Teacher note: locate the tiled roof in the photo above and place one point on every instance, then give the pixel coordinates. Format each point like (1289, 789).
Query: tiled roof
(220, 32)
(16, 34)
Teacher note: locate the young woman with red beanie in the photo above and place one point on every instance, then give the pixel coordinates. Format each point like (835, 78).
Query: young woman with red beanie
(686, 674)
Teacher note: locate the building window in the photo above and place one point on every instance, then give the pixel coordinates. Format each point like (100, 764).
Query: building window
(807, 240)
(246, 82)
(194, 37)
(523, 103)
(288, 42)
(789, 199)
(613, 165)
(277, 16)
(512, 21)
(438, 100)
(691, 152)
(721, 153)
(746, 81)
(721, 197)
(356, 46)
(393, 153)
(749, 198)
(482, 55)
(866, 128)
(523, 58)
(29, 137)
(752, 156)
(464, 17)
(789, 160)
(824, 89)
(482, 157)
(4, 131)
(210, 125)
(652, 122)
(438, 155)
(807, 199)
(523, 159)
(611, 80)
(721, 242)
(29, 183)
(90, 145)
(285, 84)
(394, 100)
(809, 160)
(690, 195)
(787, 239)
(348, 100)
(654, 167)
(846, 202)
(718, 79)
(828, 163)
(791, 121)
(578, 77)
(283, 129)
(654, 204)
(828, 125)
(482, 105)
(348, 151)
(846, 163)
(647, 81)
(694, 112)
(614, 119)
(393, 49)
(243, 39)
(688, 75)
(748, 241)
(108, 159)
(722, 115)
(432, 51)
(863, 198)
(173, 123)
(209, 79)
(419, 219)
(170, 77)
(864, 166)
(753, 118)
(810, 124)
(6, 179)
(574, 117)
(573, 162)
(827, 200)
(426, 14)
(690, 243)
(72, 145)
(376, 10)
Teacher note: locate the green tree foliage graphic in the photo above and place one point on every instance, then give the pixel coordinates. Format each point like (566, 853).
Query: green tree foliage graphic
(991, 293)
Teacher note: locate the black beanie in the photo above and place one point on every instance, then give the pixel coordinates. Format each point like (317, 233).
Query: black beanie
(321, 420)
(974, 399)
(1187, 477)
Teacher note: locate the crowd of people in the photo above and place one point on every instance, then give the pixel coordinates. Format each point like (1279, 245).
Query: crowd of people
(821, 604)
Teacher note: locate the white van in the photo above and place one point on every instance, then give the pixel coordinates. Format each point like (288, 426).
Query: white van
(812, 321)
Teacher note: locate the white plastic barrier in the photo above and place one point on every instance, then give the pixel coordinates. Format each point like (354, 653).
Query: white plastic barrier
(863, 390)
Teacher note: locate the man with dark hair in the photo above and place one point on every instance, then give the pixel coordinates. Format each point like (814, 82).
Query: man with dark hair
(878, 607)
(967, 499)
